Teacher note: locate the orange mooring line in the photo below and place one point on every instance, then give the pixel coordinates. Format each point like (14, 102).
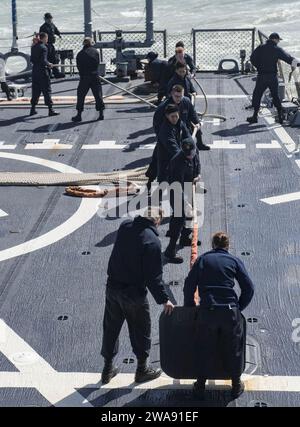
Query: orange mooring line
(194, 245)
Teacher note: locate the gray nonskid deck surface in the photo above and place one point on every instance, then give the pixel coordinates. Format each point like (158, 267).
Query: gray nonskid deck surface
(58, 280)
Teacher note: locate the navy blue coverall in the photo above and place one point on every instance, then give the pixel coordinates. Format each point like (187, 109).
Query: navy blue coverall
(157, 69)
(135, 265)
(265, 59)
(87, 63)
(173, 61)
(213, 274)
(168, 144)
(186, 83)
(52, 31)
(40, 74)
(181, 170)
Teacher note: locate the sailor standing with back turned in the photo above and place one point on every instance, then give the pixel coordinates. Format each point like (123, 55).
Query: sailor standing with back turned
(265, 58)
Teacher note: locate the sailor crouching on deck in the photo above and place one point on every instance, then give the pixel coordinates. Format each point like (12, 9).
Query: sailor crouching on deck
(213, 275)
(41, 82)
(88, 64)
(135, 265)
(265, 59)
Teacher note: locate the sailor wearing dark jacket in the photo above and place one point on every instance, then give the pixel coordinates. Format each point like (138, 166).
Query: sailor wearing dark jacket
(88, 64)
(50, 28)
(181, 78)
(40, 75)
(171, 133)
(183, 57)
(156, 70)
(135, 265)
(188, 114)
(265, 59)
(213, 275)
(184, 168)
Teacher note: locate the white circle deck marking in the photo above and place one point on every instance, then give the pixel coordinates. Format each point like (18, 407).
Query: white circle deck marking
(86, 211)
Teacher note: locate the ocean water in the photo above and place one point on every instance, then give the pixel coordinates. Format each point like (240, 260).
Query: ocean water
(282, 16)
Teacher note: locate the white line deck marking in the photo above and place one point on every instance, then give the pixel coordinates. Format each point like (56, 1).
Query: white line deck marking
(4, 146)
(2, 213)
(284, 198)
(282, 134)
(224, 144)
(49, 144)
(39, 374)
(86, 211)
(112, 145)
(104, 145)
(60, 388)
(222, 96)
(273, 144)
(146, 147)
(214, 122)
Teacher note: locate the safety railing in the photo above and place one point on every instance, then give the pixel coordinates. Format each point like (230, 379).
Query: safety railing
(70, 40)
(207, 46)
(213, 45)
(107, 55)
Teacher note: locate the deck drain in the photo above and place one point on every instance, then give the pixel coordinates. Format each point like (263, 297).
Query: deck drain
(252, 320)
(246, 253)
(128, 361)
(61, 155)
(64, 317)
(86, 253)
(237, 169)
(241, 206)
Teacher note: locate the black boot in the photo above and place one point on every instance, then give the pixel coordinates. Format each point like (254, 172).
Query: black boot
(280, 116)
(6, 90)
(33, 111)
(203, 147)
(58, 74)
(187, 241)
(238, 387)
(109, 372)
(145, 373)
(77, 118)
(253, 119)
(170, 253)
(200, 144)
(199, 388)
(53, 112)
(101, 115)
